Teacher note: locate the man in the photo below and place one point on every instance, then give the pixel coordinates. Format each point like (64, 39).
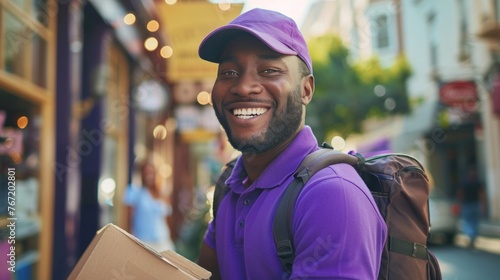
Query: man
(264, 81)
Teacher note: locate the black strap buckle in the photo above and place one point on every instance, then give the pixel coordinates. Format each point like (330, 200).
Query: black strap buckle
(408, 248)
(285, 254)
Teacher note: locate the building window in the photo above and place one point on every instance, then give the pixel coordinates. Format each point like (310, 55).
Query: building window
(496, 5)
(464, 47)
(433, 45)
(382, 32)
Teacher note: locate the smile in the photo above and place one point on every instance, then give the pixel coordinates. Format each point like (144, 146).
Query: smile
(247, 113)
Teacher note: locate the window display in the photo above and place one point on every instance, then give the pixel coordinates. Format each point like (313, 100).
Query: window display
(19, 187)
(27, 90)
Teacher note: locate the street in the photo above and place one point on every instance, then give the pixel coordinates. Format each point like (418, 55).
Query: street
(460, 263)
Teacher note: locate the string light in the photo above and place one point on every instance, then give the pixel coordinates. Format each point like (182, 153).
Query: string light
(22, 122)
(160, 132)
(151, 44)
(153, 25)
(129, 19)
(166, 52)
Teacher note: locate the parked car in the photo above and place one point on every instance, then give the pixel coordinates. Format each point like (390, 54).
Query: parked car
(444, 218)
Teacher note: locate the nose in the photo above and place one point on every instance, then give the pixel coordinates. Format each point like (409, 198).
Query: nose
(247, 84)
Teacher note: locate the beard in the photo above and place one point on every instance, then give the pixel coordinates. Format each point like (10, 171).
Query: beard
(282, 126)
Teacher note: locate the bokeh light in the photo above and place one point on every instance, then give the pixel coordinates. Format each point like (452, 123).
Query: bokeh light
(129, 19)
(390, 104)
(224, 5)
(160, 132)
(203, 98)
(338, 143)
(108, 185)
(166, 52)
(22, 122)
(153, 25)
(151, 44)
(379, 90)
(165, 170)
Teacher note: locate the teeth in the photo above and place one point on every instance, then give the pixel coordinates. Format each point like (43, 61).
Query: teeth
(247, 113)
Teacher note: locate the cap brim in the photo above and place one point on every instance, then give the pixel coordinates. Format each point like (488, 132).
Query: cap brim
(213, 44)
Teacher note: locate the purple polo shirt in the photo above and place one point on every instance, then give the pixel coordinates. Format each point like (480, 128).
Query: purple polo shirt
(337, 229)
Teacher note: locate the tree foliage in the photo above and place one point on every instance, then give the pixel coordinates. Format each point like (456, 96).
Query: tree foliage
(347, 93)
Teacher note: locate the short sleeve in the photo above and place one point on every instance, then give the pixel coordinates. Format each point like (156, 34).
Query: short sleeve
(210, 235)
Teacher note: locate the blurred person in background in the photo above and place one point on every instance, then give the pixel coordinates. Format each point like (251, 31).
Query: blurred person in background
(148, 210)
(471, 197)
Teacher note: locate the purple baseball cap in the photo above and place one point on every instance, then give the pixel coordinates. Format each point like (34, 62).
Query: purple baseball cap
(277, 31)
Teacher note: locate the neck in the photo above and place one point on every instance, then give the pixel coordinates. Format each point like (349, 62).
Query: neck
(153, 191)
(255, 164)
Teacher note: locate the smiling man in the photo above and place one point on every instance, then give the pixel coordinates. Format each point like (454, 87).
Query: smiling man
(264, 82)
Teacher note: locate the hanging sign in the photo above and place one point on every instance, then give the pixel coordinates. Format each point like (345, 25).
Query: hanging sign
(186, 24)
(462, 94)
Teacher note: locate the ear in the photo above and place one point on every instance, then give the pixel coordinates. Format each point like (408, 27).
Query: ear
(307, 89)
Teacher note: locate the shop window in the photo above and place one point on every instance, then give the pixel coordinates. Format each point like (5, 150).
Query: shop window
(14, 46)
(19, 159)
(27, 45)
(20, 3)
(24, 49)
(41, 11)
(39, 61)
(114, 173)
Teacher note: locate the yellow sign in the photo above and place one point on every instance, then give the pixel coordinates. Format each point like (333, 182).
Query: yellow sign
(186, 24)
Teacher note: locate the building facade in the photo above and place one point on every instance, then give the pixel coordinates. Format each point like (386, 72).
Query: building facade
(69, 115)
(452, 123)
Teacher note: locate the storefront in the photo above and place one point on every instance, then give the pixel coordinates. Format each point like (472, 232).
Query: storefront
(454, 142)
(67, 125)
(27, 114)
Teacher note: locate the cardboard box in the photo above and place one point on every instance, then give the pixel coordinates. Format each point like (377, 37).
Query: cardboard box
(117, 255)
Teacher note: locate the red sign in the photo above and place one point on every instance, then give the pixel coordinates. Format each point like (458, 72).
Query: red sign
(461, 94)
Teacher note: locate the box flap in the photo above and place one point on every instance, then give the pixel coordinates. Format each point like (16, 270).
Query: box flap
(186, 265)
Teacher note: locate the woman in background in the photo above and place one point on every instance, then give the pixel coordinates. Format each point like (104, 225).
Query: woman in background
(149, 211)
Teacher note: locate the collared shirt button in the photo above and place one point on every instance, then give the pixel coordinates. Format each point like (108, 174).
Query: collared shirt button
(246, 201)
(242, 223)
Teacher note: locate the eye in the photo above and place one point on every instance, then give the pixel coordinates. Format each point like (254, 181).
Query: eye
(228, 73)
(270, 71)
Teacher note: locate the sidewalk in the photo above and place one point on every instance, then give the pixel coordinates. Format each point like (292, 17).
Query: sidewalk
(488, 241)
(490, 229)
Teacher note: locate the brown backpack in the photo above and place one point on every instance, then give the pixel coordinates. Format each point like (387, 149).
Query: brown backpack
(400, 188)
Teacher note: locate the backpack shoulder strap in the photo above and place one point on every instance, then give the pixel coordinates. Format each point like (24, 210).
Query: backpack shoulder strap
(220, 186)
(282, 230)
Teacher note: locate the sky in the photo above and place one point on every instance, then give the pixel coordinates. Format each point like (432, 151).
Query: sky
(296, 9)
